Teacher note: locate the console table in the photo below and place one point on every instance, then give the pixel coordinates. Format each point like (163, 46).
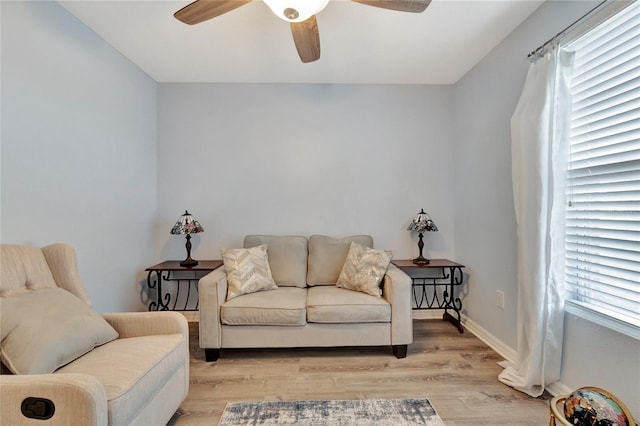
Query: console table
(171, 271)
(448, 275)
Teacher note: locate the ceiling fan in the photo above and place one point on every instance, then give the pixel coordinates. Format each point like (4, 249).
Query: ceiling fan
(301, 14)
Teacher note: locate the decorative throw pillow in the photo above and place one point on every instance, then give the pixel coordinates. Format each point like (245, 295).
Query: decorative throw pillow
(364, 269)
(350, 267)
(44, 329)
(248, 270)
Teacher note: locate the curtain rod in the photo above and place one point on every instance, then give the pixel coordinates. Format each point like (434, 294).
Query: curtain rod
(562, 33)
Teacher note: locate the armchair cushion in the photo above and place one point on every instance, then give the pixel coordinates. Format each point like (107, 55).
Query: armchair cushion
(45, 329)
(132, 371)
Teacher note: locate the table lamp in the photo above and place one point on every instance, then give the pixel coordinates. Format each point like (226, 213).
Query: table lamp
(421, 223)
(187, 224)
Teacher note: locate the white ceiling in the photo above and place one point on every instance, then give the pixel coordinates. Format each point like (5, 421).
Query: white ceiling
(359, 44)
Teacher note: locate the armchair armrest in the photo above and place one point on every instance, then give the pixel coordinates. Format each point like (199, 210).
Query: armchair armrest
(135, 324)
(397, 290)
(212, 292)
(77, 398)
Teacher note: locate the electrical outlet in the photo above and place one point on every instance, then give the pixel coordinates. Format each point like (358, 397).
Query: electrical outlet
(500, 299)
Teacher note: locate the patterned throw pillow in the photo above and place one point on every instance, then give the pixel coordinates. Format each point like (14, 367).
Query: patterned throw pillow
(248, 270)
(364, 269)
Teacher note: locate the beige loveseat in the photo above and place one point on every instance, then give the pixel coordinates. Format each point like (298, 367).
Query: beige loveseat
(139, 377)
(307, 309)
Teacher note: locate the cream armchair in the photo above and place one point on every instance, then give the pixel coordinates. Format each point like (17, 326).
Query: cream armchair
(77, 367)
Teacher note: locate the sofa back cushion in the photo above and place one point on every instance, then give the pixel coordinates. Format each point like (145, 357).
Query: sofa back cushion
(23, 268)
(327, 256)
(287, 257)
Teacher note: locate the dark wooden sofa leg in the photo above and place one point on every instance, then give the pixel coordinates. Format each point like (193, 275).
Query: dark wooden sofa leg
(213, 354)
(400, 351)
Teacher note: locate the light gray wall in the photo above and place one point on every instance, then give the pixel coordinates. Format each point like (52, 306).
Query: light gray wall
(78, 149)
(305, 159)
(485, 221)
(78, 156)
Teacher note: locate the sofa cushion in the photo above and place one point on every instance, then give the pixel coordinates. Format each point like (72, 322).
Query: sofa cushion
(132, 370)
(364, 269)
(45, 329)
(287, 257)
(331, 304)
(248, 270)
(283, 306)
(327, 256)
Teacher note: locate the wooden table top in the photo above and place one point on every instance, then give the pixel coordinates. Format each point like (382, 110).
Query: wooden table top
(174, 265)
(433, 263)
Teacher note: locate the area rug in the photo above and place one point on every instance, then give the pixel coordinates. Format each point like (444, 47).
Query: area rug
(392, 412)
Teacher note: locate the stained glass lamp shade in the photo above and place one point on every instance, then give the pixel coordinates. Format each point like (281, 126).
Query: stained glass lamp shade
(421, 223)
(187, 224)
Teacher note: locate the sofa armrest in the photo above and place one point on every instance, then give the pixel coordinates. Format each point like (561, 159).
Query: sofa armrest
(212, 292)
(135, 324)
(397, 290)
(78, 398)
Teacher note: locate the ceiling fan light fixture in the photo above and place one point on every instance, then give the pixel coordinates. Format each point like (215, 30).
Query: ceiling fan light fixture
(296, 10)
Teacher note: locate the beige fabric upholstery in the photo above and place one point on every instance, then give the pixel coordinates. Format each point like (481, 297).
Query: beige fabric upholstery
(330, 304)
(389, 317)
(311, 335)
(212, 293)
(79, 399)
(327, 256)
(282, 306)
(138, 379)
(23, 268)
(397, 290)
(124, 369)
(287, 257)
(61, 259)
(136, 324)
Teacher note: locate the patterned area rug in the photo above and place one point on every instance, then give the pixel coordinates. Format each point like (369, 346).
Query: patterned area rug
(392, 412)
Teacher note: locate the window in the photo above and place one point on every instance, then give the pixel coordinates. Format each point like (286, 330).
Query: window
(603, 211)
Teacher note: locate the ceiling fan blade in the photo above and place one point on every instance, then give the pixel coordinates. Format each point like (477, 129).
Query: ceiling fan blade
(307, 39)
(415, 6)
(202, 10)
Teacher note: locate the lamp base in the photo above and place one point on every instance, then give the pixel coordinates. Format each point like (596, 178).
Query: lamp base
(189, 262)
(420, 260)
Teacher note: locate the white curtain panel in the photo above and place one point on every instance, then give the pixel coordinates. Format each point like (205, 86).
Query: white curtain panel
(539, 144)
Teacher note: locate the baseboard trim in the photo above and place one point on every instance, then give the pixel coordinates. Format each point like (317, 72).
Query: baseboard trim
(492, 341)
(508, 353)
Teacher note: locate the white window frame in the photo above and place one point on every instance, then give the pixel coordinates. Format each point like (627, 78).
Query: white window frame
(576, 307)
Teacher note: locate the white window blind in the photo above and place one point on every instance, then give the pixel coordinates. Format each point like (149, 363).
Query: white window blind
(603, 212)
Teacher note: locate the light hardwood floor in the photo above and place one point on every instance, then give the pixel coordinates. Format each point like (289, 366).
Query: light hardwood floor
(457, 372)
